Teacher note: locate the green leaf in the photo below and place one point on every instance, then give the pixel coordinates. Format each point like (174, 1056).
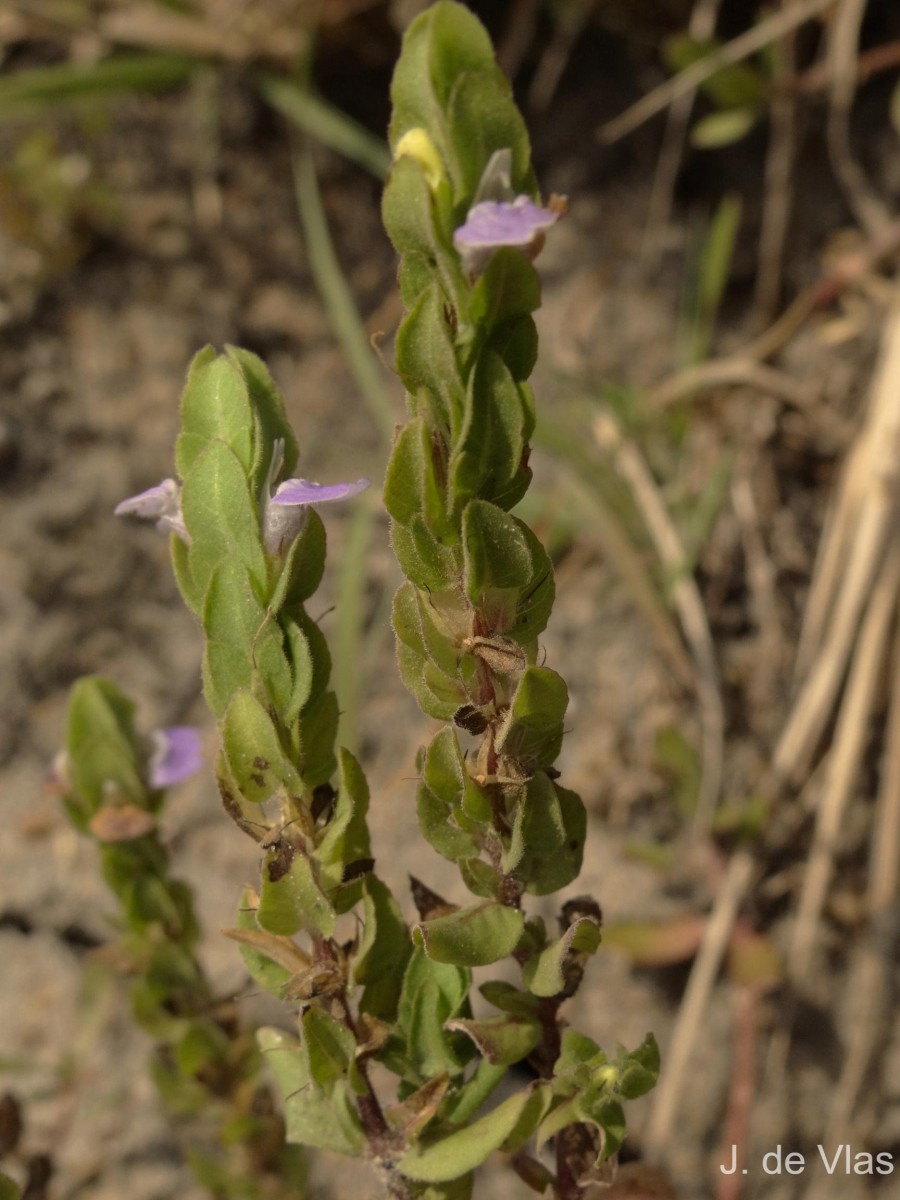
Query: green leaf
(438, 47)
(303, 566)
(638, 1069)
(497, 554)
(346, 837)
(547, 843)
(437, 820)
(488, 454)
(724, 128)
(432, 994)
(329, 1046)
(271, 975)
(483, 118)
(535, 603)
(240, 641)
(303, 672)
(270, 422)
(327, 1121)
(101, 745)
(545, 974)
(462, 1105)
(425, 354)
(291, 897)
(385, 946)
(318, 731)
(190, 593)
(508, 287)
(442, 796)
(481, 878)
(509, 1126)
(428, 660)
(254, 753)
(406, 209)
(221, 517)
(429, 564)
(532, 730)
(473, 936)
(501, 1040)
(509, 999)
(215, 406)
(411, 487)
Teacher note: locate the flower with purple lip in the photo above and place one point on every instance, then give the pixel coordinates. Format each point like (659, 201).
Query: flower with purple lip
(176, 754)
(498, 217)
(162, 504)
(284, 512)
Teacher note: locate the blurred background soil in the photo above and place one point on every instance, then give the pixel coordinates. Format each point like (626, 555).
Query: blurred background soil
(136, 227)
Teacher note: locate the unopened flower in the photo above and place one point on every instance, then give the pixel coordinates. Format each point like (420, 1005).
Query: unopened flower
(416, 144)
(161, 504)
(176, 754)
(284, 512)
(498, 217)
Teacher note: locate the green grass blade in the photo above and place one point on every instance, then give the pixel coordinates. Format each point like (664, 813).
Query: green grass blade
(27, 92)
(326, 124)
(337, 296)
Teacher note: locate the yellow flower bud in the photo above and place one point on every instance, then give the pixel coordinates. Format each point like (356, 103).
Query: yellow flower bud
(416, 144)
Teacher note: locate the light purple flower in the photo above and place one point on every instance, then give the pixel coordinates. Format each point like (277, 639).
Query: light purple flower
(495, 223)
(285, 511)
(161, 504)
(498, 217)
(176, 754)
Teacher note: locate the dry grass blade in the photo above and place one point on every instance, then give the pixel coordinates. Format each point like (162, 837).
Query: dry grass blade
(761, 579)
(156, 27)
(571, 20)
(668, 1095)
(843, 65)
(870, 975)
(736, 371)
(688, 604)
(846, 757)
(858, 567)
(735, 51)
(778, 189)
(701, 27)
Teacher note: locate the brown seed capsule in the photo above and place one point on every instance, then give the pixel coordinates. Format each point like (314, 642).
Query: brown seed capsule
(501, 654)
(471, 719)
(321, 979)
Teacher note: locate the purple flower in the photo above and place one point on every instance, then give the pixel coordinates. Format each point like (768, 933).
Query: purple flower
(495, 223)
(162, 504)
(284, 512)
(176, 754)
(498, 217)
(281, 514)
